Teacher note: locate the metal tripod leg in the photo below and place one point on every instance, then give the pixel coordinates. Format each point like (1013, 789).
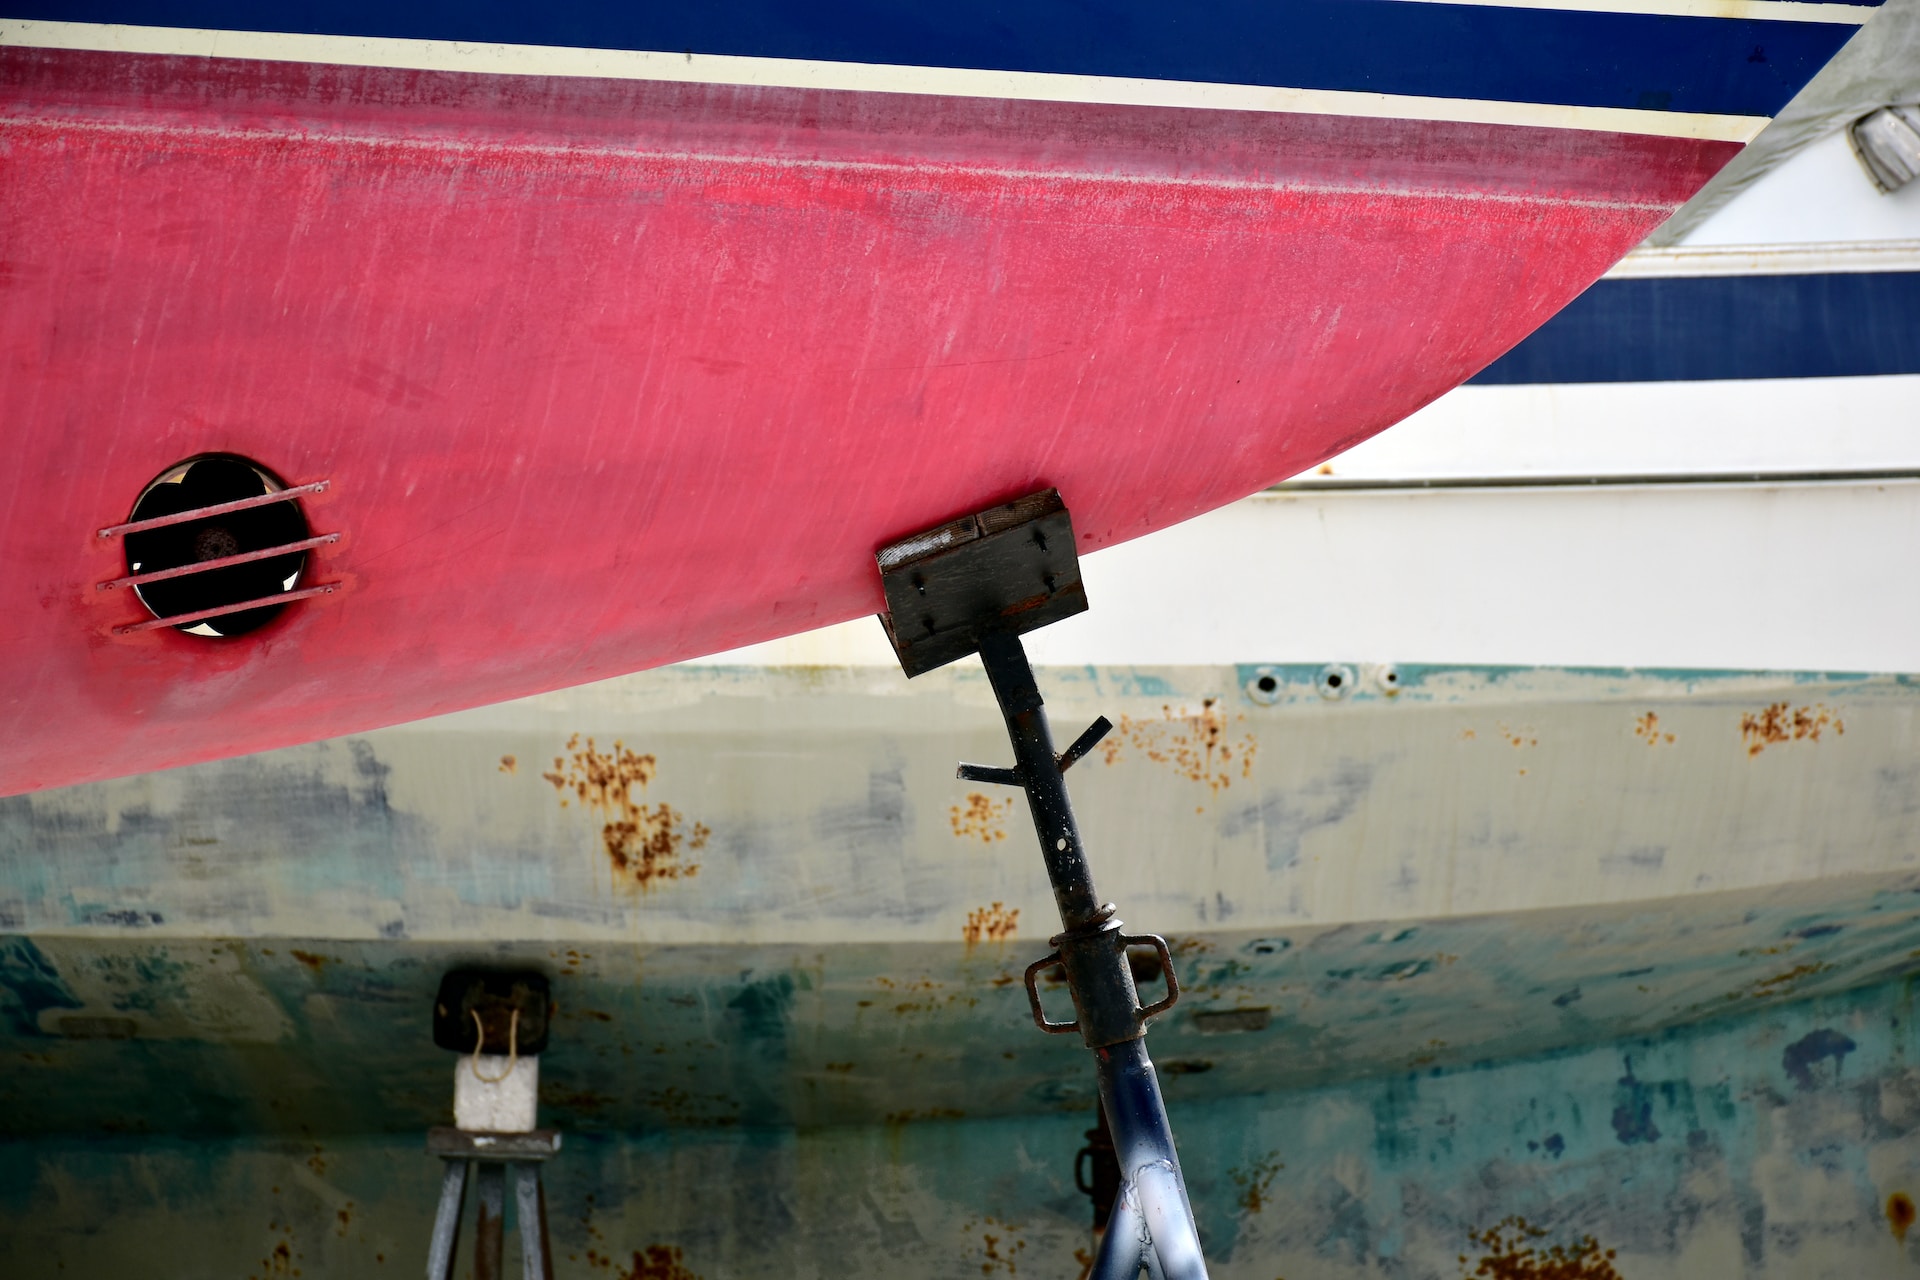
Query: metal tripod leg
(536, 1249)
(494, 1154)
(446, 1221)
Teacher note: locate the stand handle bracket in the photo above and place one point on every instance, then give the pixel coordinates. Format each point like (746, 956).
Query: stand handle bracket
(1033, 997)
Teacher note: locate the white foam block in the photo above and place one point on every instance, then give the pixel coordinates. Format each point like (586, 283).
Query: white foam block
(506, 1105)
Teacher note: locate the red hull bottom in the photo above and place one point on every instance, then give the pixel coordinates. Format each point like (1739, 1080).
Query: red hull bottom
(609, 374)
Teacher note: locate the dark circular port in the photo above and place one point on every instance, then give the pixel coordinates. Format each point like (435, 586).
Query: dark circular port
(1334, 680)
(204, 482)
(1268, 684)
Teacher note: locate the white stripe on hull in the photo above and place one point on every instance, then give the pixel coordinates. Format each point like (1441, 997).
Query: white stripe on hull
(795, 73)
(1844, 257)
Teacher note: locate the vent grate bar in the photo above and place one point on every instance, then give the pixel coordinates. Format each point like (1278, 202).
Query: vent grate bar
(217, 509)
(247, 557)
(184, 619)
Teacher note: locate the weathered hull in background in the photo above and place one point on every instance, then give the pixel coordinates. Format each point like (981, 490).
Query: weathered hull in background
(1621, 953)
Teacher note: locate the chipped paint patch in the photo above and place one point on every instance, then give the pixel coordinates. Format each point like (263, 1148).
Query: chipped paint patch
(1197, 745)
(509, 764)
(1782, 722)
(982, 818)
(992, 923)
(645, 843)
(1802, 1059)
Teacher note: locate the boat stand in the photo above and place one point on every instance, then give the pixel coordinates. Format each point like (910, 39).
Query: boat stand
(975, 585)
(497, 1022)
(487, 1158)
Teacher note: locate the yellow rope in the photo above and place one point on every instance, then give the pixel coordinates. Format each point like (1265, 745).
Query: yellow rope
(480, 1040)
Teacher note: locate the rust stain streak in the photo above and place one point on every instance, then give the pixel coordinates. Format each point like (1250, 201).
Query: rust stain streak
(659, 1262)
(1900, 1214)
(1001, 1245)
(509, 764)
(1783, 981)
(1520, 737)
(993, 923)
(983, 818)
(1198, 746)
(317, 963)
(645, 843)
(1512, 1254)
(1255, 1181)
(1781, 722)
(1647, 729)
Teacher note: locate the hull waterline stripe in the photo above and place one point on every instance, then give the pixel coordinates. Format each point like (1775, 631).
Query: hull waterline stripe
(790, 73)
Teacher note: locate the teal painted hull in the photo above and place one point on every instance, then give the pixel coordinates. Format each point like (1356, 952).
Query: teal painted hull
(1770, 1145)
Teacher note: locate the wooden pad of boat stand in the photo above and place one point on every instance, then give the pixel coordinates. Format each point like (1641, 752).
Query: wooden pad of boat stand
(976, 585)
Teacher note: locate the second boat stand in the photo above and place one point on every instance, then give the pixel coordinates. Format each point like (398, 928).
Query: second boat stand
(976, 585)
(497, 1023)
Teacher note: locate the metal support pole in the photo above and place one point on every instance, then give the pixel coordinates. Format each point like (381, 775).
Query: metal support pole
(1125, 1243)
(1093, 951)
(1143, 1143)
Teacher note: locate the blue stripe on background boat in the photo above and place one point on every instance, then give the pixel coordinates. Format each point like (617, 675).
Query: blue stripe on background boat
(1854, 324)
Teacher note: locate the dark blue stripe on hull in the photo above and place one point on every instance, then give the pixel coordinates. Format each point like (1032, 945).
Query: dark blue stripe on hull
(1682, 330)
(1729, 66)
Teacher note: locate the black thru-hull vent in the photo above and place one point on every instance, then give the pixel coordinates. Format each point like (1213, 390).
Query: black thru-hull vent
(217, 546)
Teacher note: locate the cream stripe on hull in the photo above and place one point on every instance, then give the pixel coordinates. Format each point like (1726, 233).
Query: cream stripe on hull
(794, 73)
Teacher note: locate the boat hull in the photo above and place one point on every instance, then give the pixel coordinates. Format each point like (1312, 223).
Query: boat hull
(607, 373)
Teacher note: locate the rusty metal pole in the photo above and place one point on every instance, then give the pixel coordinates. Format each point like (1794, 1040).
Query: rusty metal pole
(1093, 950)
(975, 584)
